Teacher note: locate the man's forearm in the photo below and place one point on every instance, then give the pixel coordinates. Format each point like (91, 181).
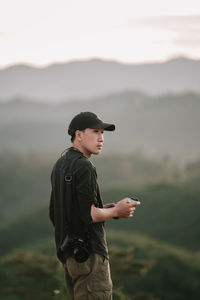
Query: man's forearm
(102, 214)
(122, 209)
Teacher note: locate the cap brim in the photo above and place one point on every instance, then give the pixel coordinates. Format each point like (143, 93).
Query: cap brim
(105, 126)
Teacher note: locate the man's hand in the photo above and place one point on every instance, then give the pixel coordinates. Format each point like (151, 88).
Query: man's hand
(125, 208)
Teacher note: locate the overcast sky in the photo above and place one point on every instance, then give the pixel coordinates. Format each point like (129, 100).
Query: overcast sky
(41, 32)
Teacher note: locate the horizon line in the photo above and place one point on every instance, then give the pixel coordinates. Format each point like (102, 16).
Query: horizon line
(98, 58)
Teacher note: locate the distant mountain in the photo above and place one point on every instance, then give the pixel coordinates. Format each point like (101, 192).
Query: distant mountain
(94, 78)
(167, 124)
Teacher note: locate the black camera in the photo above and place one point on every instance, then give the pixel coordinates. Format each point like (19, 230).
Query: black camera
(76, 247)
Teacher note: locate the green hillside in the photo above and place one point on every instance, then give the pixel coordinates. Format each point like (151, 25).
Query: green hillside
(168, 212)
(142, 269)
(168, 272)
(169, 197)
(24, 184)
(25, 179)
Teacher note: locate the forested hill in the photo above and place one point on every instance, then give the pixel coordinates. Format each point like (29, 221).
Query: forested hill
(155, 125)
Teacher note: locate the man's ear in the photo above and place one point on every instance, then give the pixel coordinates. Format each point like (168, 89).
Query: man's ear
(79, 135)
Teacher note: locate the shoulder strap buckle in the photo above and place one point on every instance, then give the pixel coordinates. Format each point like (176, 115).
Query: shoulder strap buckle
(68, 178)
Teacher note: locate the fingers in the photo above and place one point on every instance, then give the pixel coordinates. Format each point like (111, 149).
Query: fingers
(130, 212)
(136, 203)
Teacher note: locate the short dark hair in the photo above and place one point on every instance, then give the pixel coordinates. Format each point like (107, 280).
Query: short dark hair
(73, 137)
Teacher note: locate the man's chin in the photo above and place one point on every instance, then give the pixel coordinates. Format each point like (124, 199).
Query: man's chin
(97, 152)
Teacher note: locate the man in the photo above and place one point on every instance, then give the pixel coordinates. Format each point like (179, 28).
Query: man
(78, 214)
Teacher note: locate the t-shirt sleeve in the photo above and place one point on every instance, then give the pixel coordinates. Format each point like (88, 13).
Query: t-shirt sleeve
(86, 191)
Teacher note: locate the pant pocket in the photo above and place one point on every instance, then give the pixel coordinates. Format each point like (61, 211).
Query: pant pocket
(100, 279)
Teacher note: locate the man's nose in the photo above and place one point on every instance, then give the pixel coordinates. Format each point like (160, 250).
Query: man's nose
(101, 139)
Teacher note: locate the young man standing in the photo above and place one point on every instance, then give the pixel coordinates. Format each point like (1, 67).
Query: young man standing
(78, 214)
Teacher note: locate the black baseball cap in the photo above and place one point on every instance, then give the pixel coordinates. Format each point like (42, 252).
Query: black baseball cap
(88, 120)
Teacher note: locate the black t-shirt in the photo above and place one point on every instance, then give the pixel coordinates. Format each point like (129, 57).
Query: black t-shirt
(85, 192)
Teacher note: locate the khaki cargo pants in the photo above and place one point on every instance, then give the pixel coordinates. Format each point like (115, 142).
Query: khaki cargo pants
(89, 280)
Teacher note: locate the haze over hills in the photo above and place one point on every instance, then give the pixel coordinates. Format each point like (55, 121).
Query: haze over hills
(161, 118)
(94, 78)
(151, 120)
(167, 124)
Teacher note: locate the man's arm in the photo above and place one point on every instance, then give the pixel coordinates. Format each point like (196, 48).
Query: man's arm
(122, 209)
(51, 208)
(109, 205)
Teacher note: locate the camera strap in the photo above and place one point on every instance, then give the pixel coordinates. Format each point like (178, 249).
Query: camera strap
(69, 200)
(69, 187)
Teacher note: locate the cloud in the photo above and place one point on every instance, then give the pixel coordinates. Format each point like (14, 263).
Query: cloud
(5, 33)
(178, 24)
(187, 41)
(184, 29)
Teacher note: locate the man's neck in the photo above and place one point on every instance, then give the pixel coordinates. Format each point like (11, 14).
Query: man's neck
(79, 148)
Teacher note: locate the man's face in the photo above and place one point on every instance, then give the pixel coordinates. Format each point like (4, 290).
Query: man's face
(91, 141)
